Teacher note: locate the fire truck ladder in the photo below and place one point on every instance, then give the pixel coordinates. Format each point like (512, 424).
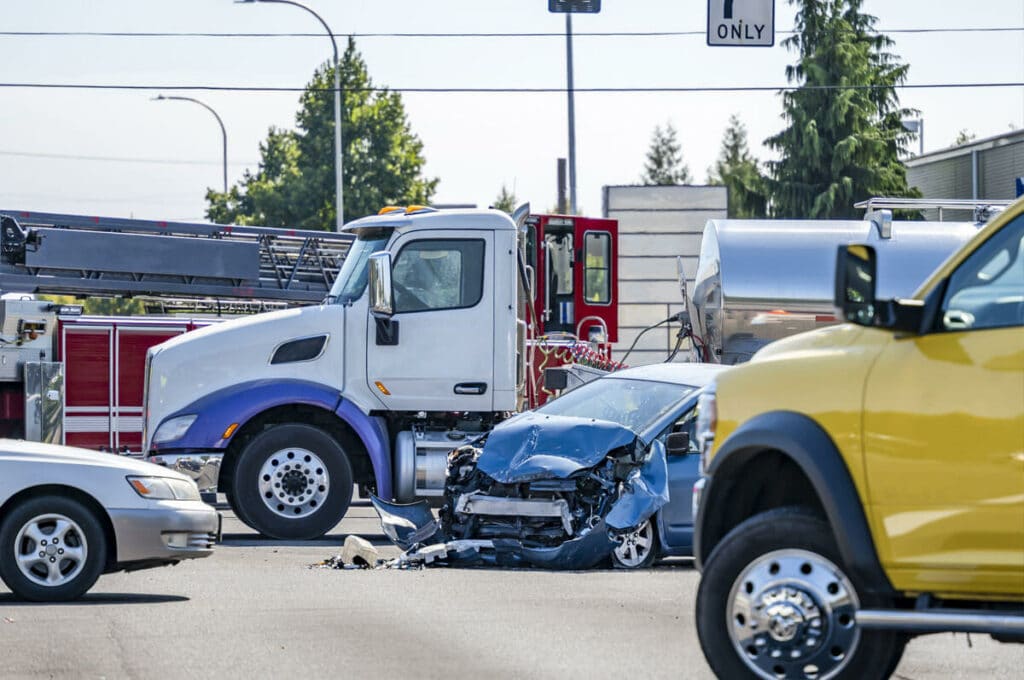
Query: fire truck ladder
(50, 253)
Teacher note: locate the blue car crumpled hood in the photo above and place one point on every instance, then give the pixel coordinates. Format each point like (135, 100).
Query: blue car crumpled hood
(536, 446)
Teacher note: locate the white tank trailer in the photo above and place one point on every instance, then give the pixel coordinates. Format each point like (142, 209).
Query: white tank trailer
(761, 280)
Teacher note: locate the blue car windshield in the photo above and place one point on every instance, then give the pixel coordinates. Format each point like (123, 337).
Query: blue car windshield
(351, 281)
(636, 404)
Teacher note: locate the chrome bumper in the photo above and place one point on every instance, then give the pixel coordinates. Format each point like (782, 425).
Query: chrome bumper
(202, 468)
(698, 491)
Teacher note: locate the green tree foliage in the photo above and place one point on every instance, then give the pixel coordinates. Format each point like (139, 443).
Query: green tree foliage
(506, 200)
(294, 185)
(964, 137)
(737, 169)
(841, 146)
(101, 306)
(665, 159)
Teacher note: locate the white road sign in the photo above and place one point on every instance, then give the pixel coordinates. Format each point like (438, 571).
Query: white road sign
(741, 23)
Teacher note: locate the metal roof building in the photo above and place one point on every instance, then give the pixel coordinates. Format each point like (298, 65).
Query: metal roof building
(981, 169)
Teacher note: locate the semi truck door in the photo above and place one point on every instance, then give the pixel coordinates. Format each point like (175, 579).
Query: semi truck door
(439, 353)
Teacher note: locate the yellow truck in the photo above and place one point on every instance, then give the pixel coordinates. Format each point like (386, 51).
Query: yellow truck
(864, 483)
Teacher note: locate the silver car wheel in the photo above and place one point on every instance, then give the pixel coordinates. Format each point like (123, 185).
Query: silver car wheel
(51, 550)
(636, 546)
(294, 483)
(791, 614)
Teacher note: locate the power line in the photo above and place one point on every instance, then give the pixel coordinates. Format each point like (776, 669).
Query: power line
(508, 90)
(116, 159)
(534, 34)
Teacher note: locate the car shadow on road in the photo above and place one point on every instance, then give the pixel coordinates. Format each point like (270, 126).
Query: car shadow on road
(89, 599)
(248, 540)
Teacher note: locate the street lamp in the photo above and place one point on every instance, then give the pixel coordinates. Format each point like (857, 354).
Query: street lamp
(223, 132)
(338, 170)
(916, 126)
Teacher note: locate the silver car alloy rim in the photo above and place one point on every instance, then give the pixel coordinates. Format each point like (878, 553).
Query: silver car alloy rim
(636, 546)
(791, 614)
(294, 483)
(51, 550)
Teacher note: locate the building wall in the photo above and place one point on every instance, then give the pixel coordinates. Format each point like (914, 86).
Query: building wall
(949, 173)
(657, 224)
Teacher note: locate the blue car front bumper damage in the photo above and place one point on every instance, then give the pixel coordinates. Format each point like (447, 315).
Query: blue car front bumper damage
(543, 491)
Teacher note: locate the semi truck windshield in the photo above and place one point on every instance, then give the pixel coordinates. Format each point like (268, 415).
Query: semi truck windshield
(351, 281)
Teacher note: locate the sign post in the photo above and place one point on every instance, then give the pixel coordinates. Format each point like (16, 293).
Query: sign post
(570, 7)
(741, 23)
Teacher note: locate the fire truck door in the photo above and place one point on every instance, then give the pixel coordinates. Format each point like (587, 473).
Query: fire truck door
(88, 361)
(596, 317)
(130, 363)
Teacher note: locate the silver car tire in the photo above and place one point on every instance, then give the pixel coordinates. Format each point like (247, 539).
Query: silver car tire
(52, 549)
(638, 549)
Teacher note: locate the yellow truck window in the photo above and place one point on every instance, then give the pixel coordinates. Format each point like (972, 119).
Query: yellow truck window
(987, 290)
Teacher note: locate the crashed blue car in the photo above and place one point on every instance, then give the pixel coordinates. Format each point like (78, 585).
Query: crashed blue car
(605, 470)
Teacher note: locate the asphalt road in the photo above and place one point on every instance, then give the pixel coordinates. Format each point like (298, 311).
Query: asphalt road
(256, 610)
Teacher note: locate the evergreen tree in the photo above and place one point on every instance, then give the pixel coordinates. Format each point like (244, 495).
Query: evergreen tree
(665, 159)
(506, 200)
(842, 145)
(294, 185)
(737, 169)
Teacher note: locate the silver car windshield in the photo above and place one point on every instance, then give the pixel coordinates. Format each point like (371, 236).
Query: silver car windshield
(636, 404)
(351, 281)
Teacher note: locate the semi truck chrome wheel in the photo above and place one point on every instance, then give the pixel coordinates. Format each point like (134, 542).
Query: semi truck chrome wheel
(294, 482)
(792, 616)
(52, 549)
(638, 549)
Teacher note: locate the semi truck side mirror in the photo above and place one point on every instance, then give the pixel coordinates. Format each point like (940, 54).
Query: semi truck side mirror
(856, 283)
(379, 282)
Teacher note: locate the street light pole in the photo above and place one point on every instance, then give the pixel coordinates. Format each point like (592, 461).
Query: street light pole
(572, 114)
(338, 169)
(223, 131)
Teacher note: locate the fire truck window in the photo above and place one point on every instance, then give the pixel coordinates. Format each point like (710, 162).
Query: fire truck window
(597, 267)
(559, 247)
(438, 274)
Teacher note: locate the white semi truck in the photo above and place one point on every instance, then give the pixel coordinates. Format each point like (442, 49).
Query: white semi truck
(421, 344)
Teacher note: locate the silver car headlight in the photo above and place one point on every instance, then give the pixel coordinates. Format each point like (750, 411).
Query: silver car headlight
(172, 429)
(165, 488)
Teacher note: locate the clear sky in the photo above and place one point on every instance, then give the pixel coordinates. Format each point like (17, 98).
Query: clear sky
(473, 142)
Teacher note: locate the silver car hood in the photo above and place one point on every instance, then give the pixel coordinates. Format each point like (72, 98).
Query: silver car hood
(17, 450)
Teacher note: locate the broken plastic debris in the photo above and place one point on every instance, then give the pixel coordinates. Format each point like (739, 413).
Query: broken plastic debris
(359, 552)
(356, 553)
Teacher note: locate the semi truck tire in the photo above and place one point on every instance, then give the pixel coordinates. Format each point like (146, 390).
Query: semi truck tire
(774, 601)
(52, 549)
(292, 482)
